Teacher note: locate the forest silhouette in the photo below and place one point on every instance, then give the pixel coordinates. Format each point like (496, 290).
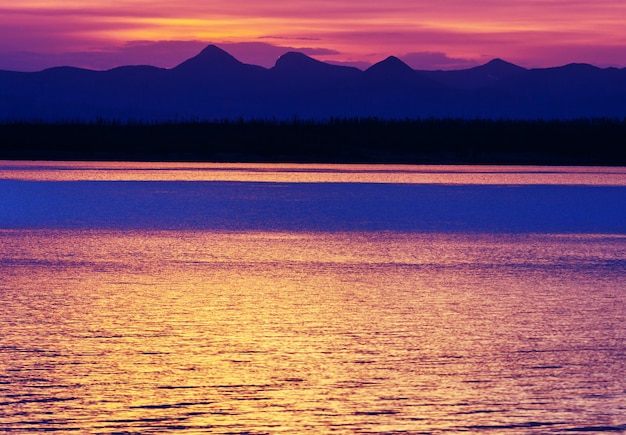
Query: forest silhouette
(599, 141)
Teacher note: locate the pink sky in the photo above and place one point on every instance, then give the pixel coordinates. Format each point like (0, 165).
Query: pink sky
(441, 34)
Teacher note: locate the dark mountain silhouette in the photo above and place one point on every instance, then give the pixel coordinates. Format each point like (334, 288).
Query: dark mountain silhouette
(390, 67)
(477, 77)
(214, 63)
(300, 66)
(207, 59)
(298, 70)
(307, 88)
(215, 85)
(393, 90)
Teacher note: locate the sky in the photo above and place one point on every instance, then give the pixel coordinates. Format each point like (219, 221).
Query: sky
(434, 34)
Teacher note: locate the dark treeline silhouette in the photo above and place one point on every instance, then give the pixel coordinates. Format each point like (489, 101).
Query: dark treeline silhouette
(554, 142)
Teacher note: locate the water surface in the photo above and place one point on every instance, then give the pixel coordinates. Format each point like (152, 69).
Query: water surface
(356, 306)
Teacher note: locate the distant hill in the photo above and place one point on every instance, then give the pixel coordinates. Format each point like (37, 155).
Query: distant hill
(477, 77)
(215, 85)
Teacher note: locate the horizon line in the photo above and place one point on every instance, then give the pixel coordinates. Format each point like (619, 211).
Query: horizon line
(303, 53)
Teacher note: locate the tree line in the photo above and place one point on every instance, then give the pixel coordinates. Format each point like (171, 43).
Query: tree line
(599, 141)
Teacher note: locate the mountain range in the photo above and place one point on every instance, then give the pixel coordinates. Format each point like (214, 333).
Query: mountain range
(215, 85)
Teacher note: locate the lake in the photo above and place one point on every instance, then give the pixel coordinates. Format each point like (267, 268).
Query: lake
(253, 299)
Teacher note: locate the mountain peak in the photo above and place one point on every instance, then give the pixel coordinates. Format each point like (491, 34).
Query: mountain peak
(498, 62)
(210, 57)
(577, 66)
(391, 65)
(296, 64)
(499, 68)
(213, 49)
(296, 60)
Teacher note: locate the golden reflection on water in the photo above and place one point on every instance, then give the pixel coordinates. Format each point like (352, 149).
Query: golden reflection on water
(200, 332)
(312, 173)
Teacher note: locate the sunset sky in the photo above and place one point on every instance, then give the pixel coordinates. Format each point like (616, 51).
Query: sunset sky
(443, 34)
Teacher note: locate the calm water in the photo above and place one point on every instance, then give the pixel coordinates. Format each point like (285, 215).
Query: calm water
(323, 299)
